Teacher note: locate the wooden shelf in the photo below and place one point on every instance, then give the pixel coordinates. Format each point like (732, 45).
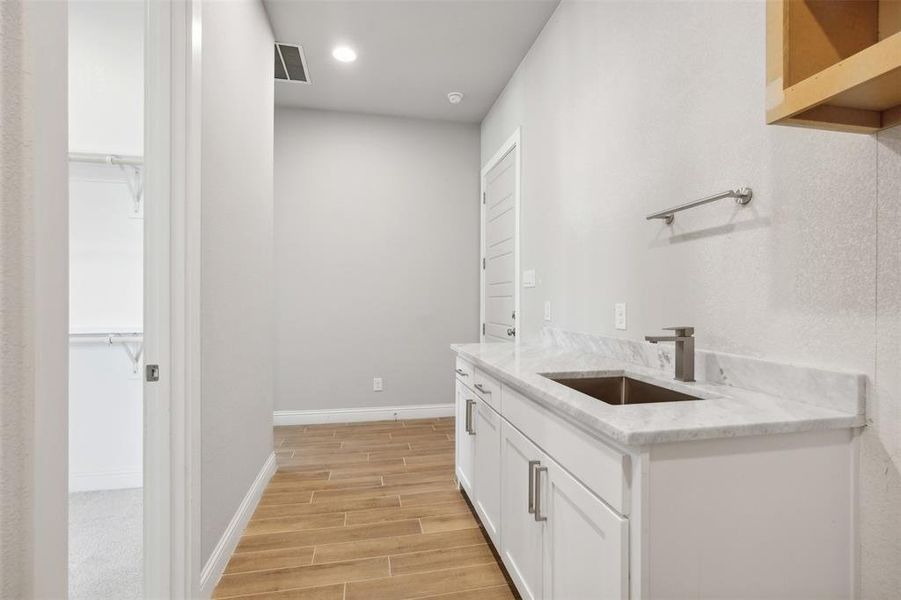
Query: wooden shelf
(834, 64)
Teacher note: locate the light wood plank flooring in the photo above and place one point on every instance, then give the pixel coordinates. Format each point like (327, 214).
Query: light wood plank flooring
(365, 511)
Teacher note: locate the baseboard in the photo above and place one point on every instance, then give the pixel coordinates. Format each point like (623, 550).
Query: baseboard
(106, 480)
(212, 570)
(357, 415)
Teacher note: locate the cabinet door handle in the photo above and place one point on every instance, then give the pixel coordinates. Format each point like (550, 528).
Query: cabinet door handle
(461, 373)
(481, 389)
(532, 465)
(469, 428)
(538, 473)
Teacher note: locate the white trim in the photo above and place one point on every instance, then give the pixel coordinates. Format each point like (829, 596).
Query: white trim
(358, 415)
(106, 480)
(214, 567)
(172, 299)
(513, 144)
(44, 345)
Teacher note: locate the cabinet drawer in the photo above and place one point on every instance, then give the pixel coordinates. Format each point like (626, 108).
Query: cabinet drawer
(601, 468)
(464, 371)
(488, 388)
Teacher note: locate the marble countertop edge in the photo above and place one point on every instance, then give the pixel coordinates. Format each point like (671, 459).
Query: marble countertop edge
(722, 412)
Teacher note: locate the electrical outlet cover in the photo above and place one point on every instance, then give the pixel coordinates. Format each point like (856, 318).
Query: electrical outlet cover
(620, 315)
(547, 310)
(377, 384)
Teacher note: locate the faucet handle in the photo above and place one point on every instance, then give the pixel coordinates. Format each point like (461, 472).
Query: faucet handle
(681, 331)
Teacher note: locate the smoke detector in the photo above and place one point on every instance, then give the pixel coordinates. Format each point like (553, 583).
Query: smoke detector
(455, 97)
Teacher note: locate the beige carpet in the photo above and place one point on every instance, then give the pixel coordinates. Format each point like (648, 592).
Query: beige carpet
(105, 549)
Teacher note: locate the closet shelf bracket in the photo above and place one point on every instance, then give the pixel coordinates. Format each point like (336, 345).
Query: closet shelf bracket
(134, 178)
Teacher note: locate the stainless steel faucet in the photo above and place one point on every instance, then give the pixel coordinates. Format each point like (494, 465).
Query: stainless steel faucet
(685, 350)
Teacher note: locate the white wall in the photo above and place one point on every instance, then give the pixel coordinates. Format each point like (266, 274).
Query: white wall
(33, 311)
(106, 66)
(377, 239)
(106, 76)
(236, 282)
(630, 107)
(880, 450)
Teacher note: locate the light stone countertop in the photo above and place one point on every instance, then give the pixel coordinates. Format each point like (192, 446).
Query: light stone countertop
(723, 411)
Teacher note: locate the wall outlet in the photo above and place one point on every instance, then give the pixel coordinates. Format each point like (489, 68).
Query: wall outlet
(620, 315)
(547, 310)
(377, 384)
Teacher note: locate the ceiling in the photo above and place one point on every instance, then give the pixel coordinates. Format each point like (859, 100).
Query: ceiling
(411, 53)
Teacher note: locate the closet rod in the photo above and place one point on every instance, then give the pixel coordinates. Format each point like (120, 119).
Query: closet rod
(107, 337)
(106, 159)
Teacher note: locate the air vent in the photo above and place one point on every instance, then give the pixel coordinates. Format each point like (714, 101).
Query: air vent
(290, 63)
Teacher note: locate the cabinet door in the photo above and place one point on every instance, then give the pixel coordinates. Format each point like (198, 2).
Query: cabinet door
(521, 543)
(488, 469)
(464, 440)
(585, 542)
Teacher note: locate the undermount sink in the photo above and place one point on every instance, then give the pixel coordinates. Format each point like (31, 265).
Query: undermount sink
(620, 390)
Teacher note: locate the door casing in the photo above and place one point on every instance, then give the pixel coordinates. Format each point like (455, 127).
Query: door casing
(172, 298)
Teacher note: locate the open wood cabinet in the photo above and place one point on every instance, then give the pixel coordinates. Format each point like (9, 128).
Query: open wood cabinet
(834, 64)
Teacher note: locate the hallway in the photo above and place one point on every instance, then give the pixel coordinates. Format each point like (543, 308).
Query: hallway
(364, 511)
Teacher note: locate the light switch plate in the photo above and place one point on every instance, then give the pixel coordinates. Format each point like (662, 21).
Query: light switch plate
(377, 384)
(528, 278)
(547, 310)
(620, 315)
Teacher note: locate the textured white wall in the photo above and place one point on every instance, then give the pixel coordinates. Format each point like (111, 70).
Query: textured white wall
(629, 107)
(377, 237)
(237, 258)
(880, 450)
(16, 335)
(33, 311)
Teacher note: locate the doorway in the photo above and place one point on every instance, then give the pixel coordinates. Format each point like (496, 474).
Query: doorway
(106, 299)
(500, 243)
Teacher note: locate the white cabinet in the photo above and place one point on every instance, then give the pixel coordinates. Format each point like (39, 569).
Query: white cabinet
(585, 544)
(464, 438)
(521, 542)
(577, 516)
(559, 542)
(487, 387)
(487, 425)
(557, 539)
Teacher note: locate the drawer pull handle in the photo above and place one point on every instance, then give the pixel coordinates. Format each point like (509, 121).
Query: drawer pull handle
(481, 389)
(532, 465)
(538, 473)
(462, 373)
(469, 428)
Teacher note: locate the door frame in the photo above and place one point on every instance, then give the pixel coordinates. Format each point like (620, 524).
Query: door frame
(172, 284)
(512, 144)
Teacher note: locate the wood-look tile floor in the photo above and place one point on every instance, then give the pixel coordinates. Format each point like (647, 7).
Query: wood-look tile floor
(364, 511)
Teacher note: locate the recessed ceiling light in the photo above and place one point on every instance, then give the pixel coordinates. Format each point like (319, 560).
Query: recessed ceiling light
(344, 54)
(455, 97)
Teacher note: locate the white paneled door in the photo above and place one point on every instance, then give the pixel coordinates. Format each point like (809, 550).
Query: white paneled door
(500, 188)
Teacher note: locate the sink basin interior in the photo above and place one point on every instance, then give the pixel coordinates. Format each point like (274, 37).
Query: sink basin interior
(621, 390)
